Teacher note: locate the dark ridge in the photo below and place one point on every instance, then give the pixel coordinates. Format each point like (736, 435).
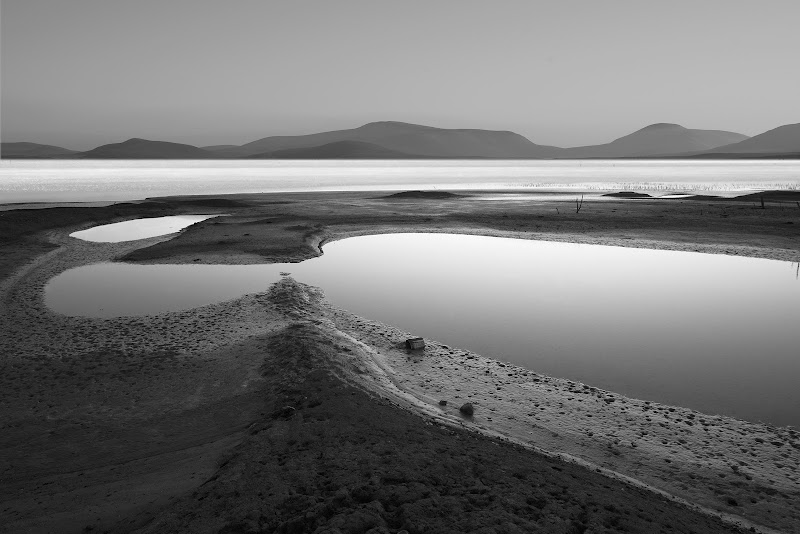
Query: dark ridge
(213, 148)
(397, 140)
(212, 202)
(410, 140)
(702, 197)
(23, 150)
(423, 195)
(628, 194)
(338, 150)
(145, 149)
(777, 195)
(656, 140)
(783, 140)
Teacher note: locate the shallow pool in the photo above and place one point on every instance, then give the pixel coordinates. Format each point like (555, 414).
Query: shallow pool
(138, 228)
(715, 333)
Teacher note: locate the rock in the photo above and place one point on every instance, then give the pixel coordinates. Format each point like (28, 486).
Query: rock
(467, 409)
(415, 343)
(442, 403)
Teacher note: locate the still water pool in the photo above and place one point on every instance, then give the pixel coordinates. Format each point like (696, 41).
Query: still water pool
(138, 228)
(716, 333)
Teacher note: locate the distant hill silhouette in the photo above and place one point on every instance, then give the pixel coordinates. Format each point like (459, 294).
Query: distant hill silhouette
(214, 148)
(33, 150)
(409, 139)
(143, 149)
(400, 140)
(336, 150)
(655, 140)
(784, 140)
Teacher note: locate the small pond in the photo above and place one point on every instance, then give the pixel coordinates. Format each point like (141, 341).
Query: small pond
(716, 333)
(138, 228)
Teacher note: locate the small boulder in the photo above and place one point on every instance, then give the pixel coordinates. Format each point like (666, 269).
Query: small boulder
(467, 409)
(415, 343)
(442, 403)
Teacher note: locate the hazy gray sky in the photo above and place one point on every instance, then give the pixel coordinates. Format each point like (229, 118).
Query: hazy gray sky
(79, 73)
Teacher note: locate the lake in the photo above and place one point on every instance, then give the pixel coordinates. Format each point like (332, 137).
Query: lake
(29, 181)
(715, 333)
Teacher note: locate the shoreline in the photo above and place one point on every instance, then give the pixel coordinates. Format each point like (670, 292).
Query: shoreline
(552, 428)
(572, 418)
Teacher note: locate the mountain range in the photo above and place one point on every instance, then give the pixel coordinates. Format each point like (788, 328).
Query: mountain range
(398, 140)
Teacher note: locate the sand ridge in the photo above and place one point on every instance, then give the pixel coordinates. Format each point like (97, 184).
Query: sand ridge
(333, 457)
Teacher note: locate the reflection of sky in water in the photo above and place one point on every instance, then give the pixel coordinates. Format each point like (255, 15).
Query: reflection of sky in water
(138, 228)
(712, 332)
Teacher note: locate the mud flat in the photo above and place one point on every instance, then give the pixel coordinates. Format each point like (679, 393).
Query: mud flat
(280, 412)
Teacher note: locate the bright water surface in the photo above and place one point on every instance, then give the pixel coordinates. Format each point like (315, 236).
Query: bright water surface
(26, 181)
(138, 228)
(715, 333)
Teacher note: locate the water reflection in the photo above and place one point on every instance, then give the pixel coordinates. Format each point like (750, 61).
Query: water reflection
(138, 228)
(117, 289)
(707, 331)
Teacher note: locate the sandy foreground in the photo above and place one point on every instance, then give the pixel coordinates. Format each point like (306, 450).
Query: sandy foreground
(133, 423)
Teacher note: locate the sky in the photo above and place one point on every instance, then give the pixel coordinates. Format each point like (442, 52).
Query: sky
(81, 73)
